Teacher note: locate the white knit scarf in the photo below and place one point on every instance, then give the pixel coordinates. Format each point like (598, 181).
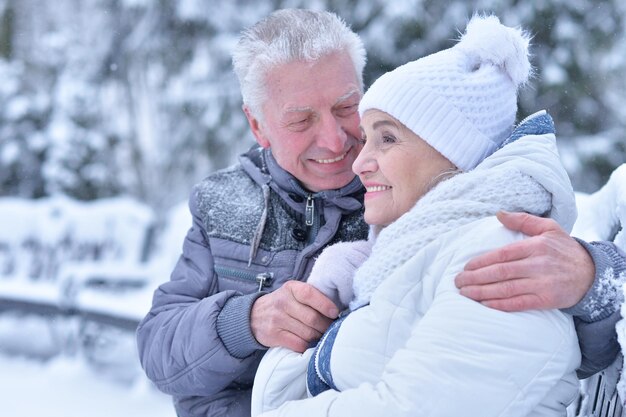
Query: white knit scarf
(455, 202)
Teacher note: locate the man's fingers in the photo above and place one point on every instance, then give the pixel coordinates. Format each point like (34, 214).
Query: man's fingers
(505, 263)
(510, 295)
(290, 325)
(520, 303)
(500, 290)
(276, 315)
(502, 256)
(303, 330)
(310, 296)
(308, 317)
(292, 341)
(512, 261)
(547, 270)
(526, 223)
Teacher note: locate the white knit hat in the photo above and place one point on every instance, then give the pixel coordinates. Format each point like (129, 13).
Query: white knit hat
(462, 100)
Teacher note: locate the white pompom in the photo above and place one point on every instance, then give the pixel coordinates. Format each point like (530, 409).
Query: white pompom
(487, 40)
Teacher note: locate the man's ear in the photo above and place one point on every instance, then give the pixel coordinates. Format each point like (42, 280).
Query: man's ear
(256, 127)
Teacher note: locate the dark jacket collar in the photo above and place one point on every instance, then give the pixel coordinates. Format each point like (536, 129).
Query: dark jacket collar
(260, 165)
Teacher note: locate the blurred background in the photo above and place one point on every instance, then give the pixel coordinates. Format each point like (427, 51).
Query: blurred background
(110, 110)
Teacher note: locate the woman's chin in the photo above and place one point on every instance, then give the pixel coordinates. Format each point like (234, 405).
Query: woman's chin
(377, 221)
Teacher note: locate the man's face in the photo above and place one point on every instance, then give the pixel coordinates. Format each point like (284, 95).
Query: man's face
(311, 120)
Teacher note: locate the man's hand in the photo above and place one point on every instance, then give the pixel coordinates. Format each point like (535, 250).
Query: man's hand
(292, 316)
(548, 270)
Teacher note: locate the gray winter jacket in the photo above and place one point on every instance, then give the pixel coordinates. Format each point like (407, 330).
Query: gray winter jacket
(254, 228)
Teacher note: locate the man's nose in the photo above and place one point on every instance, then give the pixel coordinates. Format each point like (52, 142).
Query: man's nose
(332, 135)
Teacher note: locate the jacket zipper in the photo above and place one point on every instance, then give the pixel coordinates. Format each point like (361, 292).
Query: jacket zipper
(311, 218)
(264, 279)
(309, 211)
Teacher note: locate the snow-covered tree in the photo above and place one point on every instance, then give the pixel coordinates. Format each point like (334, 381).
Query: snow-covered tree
(108, 97)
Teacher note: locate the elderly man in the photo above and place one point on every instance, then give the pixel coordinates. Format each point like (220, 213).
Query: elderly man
(240, 284)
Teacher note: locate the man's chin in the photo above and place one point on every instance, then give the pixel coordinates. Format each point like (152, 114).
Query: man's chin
(338, 180)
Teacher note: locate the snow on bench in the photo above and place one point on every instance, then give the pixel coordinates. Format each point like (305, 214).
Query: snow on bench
(85, 257)
(38, 237)
(81, 276)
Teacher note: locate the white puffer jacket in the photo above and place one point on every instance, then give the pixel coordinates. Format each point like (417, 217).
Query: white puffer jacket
(421, 349)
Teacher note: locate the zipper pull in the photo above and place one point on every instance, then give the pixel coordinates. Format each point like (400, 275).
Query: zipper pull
(264, 279)
(310, 210)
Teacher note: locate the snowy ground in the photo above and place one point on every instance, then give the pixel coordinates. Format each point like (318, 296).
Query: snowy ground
(67, 388)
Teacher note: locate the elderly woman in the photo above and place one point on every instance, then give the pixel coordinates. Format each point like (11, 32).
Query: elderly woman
(440, 159)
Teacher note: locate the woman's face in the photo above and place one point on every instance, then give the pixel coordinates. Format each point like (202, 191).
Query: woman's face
(396, 166)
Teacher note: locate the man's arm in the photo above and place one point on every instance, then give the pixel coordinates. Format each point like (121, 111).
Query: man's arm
(553, 270)
(197, 341)
(179, 344)
(599, 310)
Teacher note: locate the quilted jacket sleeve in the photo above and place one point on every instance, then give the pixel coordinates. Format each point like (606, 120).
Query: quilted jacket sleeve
(281, 377)
(179, 345)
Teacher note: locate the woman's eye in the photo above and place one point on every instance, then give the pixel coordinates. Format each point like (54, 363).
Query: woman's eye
(389, 139)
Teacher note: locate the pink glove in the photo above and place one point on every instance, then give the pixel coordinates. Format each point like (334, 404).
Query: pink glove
(334, 270)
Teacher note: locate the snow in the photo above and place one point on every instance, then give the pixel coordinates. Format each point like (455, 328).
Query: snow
(9, 153)
(600, 214)
(554, 74)
(67, 388)
(44, 234)
(620, 327)
(71, 366)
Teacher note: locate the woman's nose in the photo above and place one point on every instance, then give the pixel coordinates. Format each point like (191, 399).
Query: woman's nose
(365, 162)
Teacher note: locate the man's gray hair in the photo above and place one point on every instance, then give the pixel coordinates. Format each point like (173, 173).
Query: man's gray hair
(290, 35)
